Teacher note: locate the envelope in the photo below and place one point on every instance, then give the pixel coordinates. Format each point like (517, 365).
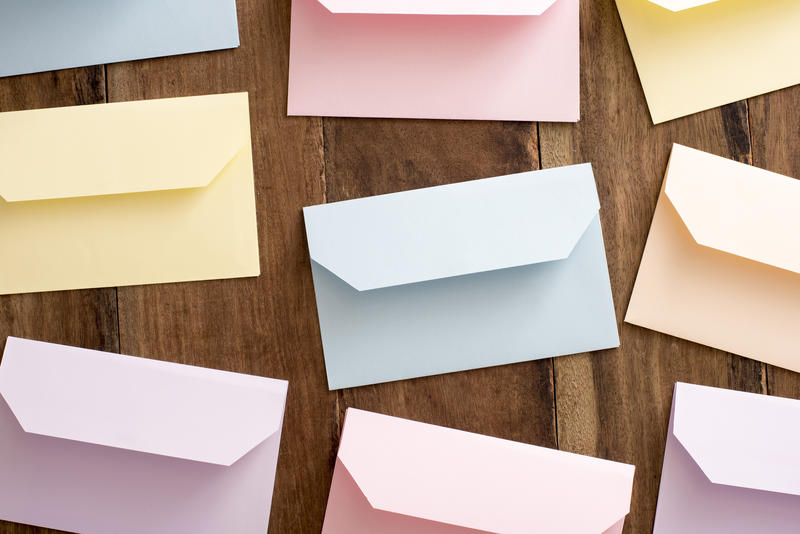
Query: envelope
(435, 59)
(730, 464)
(125, 194)
(396, 476)
(95, 443)
(722, 262)
(456, 277)
(42, 35)
(694, 55)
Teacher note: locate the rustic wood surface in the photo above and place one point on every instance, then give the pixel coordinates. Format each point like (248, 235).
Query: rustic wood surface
(612, 404)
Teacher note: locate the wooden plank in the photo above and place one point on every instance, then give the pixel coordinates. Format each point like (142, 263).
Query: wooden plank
(81, 318)
(775, 125)
(370, 157)
(616, 404)
(267, 325)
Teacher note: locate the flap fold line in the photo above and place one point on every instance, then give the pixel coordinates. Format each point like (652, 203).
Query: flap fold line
(491, 8)
(186, 412)
(19, 421)
(385, 510)
(735, 208)
(738, 439)
(361, 288)
(208, 183)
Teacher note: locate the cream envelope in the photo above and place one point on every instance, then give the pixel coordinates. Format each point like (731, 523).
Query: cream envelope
(722, 263)
(396, 476)
(731, 464)
(100, 443)
(130, 193)
(435, 59)
(694, 55)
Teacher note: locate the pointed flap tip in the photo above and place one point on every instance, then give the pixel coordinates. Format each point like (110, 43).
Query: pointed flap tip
(142, 405)
(740, 439)
(453, 230)
(439, 7)
(736, 208)
(681, 5)
(456, 477)
(121, 148)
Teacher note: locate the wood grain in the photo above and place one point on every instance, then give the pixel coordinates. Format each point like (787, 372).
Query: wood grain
(366, 157)
(612, 404)
(775, 127)
(616, 404)
(82, 318)
(267, 325)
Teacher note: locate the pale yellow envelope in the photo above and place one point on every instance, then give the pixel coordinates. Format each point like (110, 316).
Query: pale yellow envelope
(694, 55)
(722, 262)
(130, 193)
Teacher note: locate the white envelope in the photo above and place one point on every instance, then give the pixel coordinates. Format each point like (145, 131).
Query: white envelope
(457, 277)
(731, 464)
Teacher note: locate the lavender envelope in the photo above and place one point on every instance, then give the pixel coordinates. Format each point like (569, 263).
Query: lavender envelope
(731, 464)
(395, 476)
(100, 443)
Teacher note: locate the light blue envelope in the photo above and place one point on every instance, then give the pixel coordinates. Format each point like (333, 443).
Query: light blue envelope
(461, 276)
(42, 35)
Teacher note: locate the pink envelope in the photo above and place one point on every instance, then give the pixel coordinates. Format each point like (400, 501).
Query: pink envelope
(396, 476)
(436, 59)
(731, 464)
(100, 443)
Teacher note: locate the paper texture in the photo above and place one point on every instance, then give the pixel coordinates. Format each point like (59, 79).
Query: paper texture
(43, 35)
(730, 465)
(396, 476)
(722, 259)
(680, 5)
(439, 7)
(693, 55)
(123, 194)
(457, 277)
(427, 60)
(93, 442)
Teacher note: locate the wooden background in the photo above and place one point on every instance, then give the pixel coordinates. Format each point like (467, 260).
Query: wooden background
(612, 404)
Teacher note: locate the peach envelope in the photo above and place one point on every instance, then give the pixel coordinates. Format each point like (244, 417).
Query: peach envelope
(101, 443)
(436, 59)
(722, 262)
(396, 476)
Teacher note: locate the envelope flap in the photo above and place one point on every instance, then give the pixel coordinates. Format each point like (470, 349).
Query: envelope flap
(680, 5)
(740, 439)
(479, 482)
(439, 7)
(137, 404)
(453, 230)
(736, 208)
(128, 147)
